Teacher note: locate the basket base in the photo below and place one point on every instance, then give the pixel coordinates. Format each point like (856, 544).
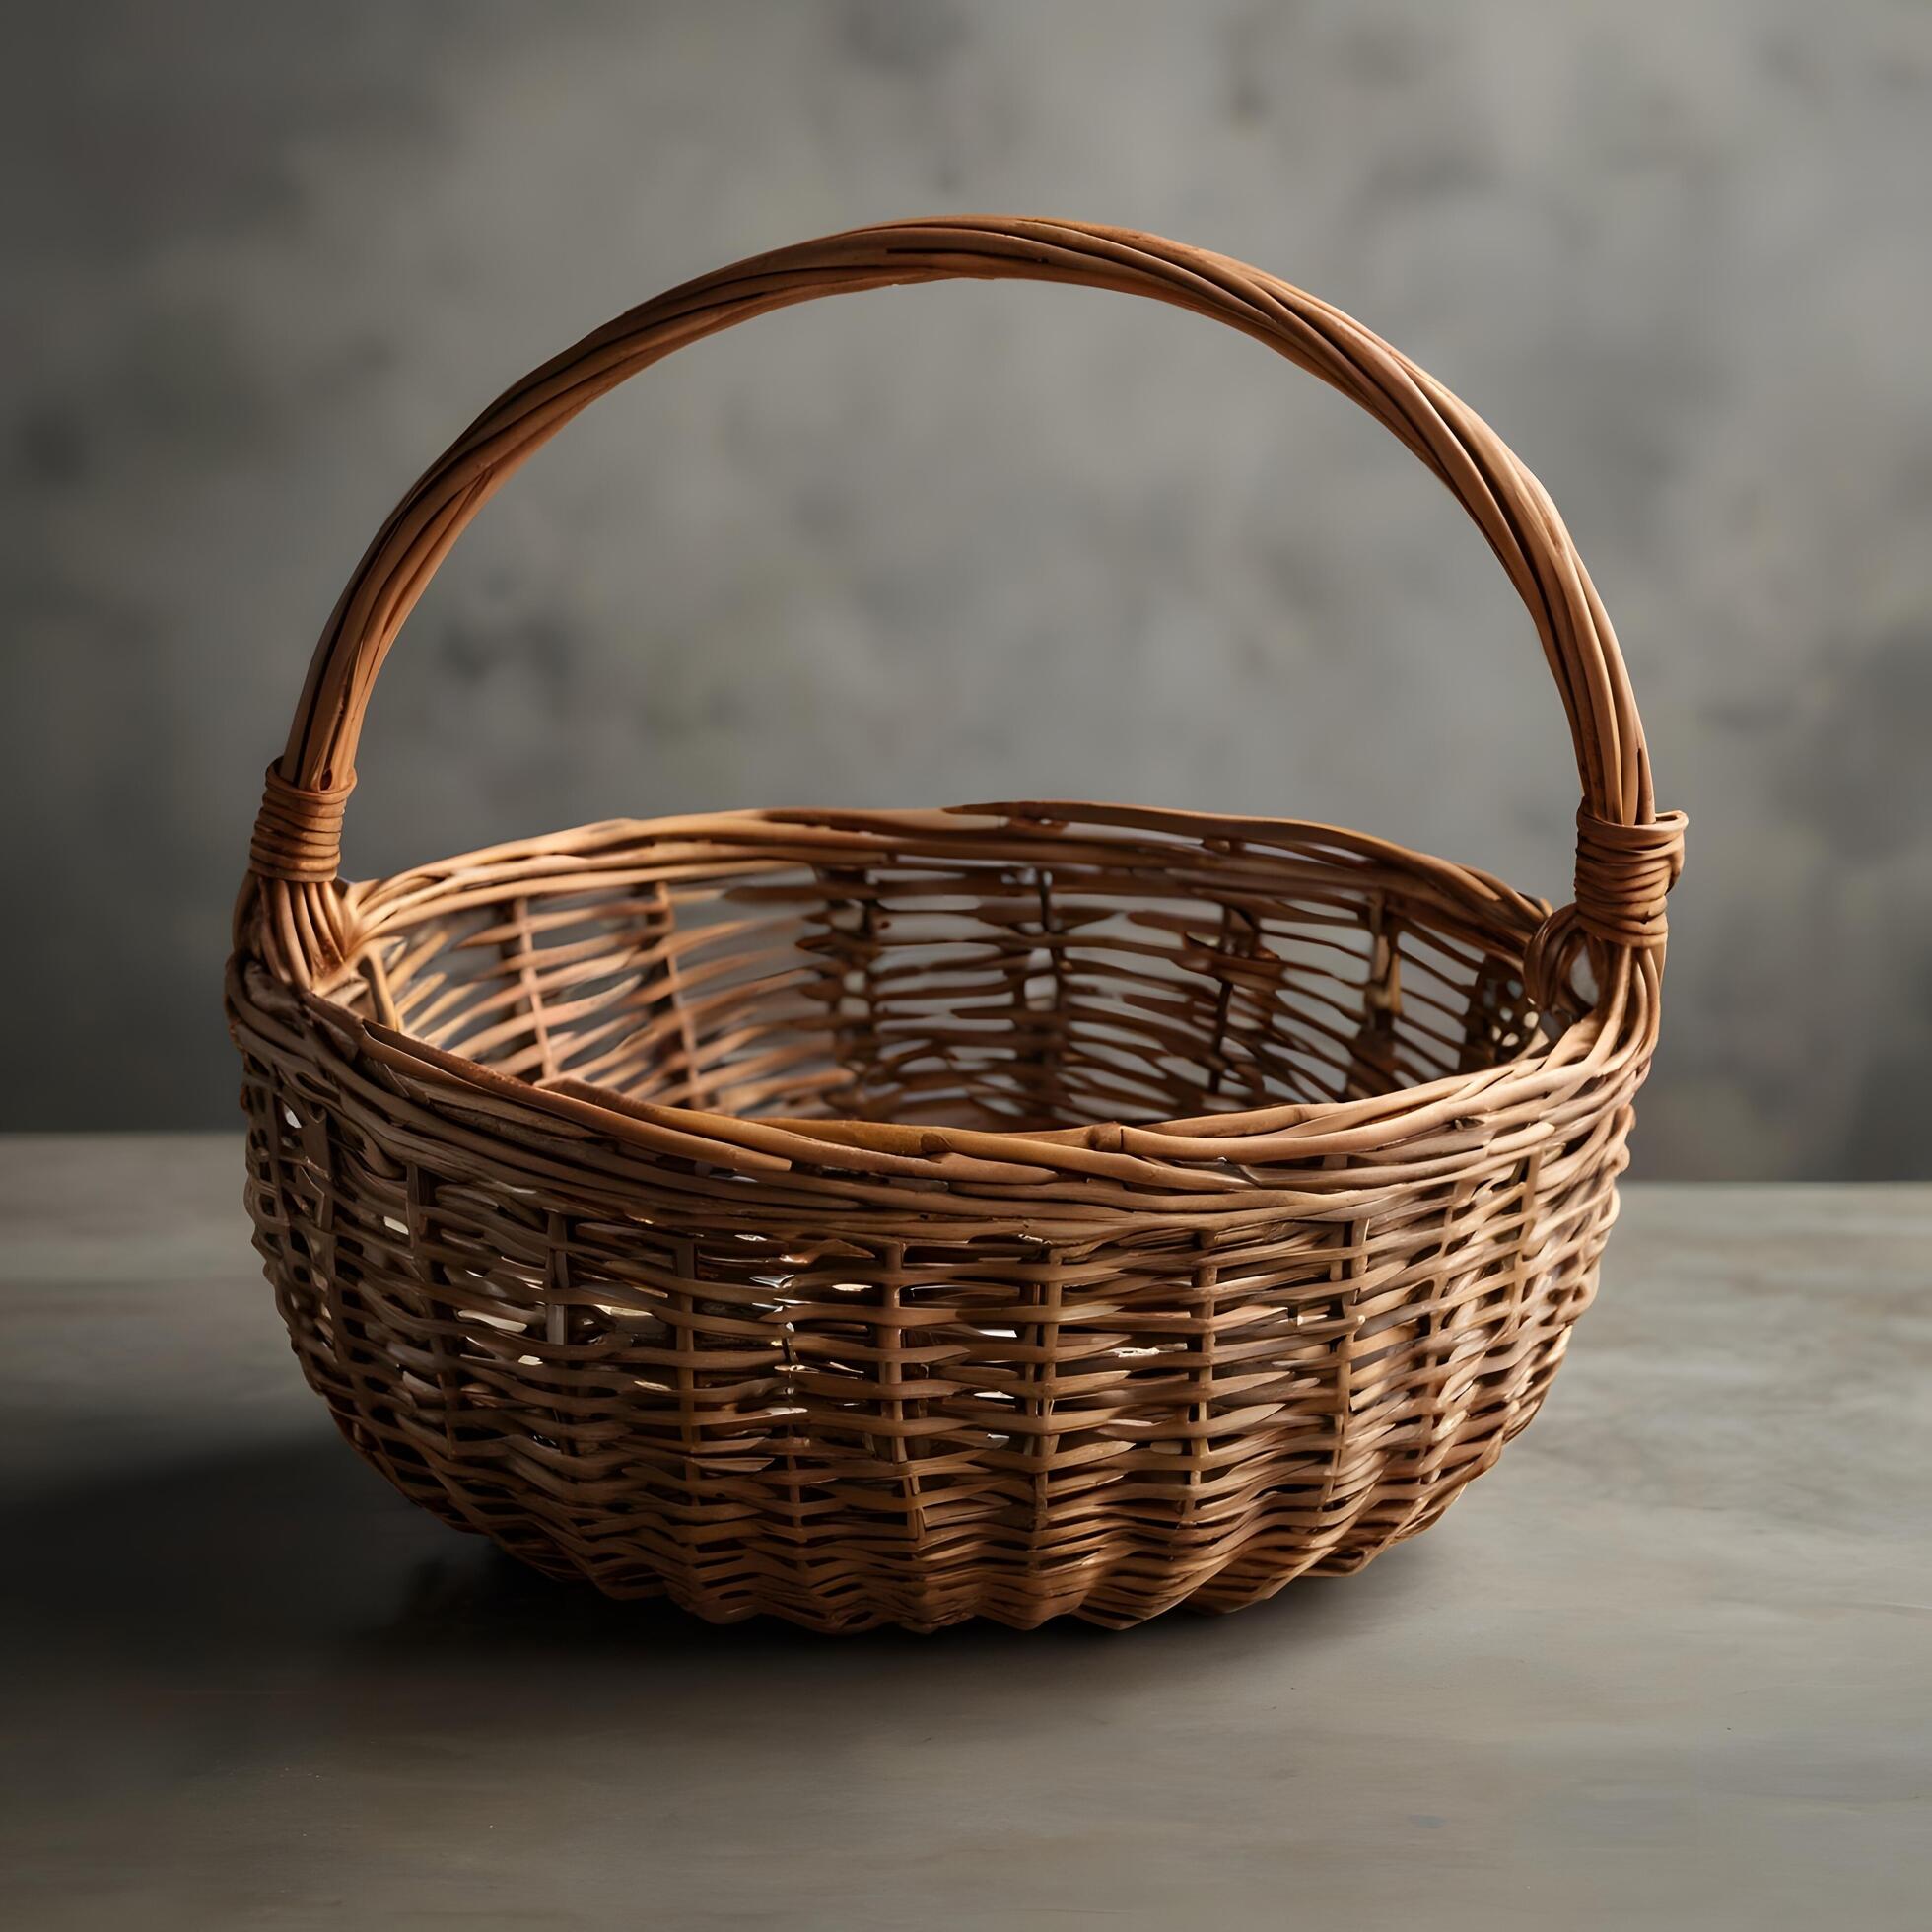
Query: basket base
(919, 1595)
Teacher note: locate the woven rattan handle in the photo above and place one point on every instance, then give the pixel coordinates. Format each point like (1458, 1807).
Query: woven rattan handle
(1627, 855)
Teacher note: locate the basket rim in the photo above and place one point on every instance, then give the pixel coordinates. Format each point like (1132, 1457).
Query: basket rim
(1521, 1092)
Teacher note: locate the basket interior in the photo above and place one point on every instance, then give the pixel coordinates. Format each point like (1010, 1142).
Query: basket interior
(1113, 979)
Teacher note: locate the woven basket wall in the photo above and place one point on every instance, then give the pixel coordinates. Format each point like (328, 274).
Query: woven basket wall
(872, 1217)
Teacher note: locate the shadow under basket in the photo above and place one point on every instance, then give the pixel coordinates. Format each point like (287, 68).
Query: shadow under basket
(871, 1218)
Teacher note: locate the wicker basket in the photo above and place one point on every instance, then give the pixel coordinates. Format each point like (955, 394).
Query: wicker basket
(875, 1218)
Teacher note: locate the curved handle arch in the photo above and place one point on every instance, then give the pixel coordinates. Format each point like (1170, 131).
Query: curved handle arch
(1627, 857)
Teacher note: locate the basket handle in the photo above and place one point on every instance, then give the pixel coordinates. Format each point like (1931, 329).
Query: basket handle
(1628, 855)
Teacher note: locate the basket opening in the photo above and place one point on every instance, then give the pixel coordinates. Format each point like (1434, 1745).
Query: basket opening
(948, 989)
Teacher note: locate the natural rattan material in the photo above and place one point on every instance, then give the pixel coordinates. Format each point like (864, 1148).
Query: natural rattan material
(900, 1216)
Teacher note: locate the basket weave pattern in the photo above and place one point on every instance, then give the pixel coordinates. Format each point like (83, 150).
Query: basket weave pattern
(894, 1218)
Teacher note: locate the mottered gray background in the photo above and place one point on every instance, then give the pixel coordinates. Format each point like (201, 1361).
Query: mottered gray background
(933, 545)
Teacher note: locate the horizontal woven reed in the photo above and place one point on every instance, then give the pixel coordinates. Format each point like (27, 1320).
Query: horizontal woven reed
(1032, 1209)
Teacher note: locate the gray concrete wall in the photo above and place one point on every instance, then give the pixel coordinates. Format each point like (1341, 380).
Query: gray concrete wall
(262, 261)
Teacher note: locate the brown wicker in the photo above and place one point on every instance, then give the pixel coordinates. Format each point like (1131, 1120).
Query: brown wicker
(901, 1217)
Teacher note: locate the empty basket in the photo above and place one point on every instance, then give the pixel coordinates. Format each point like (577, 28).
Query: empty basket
(872, 1217)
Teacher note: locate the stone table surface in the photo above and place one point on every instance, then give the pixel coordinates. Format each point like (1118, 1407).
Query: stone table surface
(1670, 1664)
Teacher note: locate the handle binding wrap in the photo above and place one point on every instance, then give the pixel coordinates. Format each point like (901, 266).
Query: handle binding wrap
(1623, 874)
(297, 835)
